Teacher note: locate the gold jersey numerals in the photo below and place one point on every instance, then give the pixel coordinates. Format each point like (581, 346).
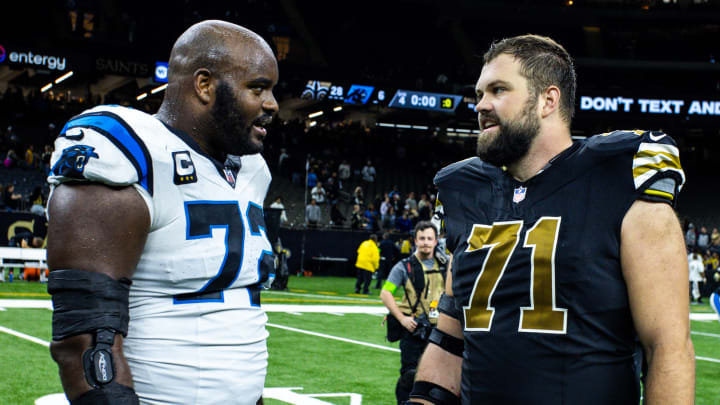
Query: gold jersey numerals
(501, 239)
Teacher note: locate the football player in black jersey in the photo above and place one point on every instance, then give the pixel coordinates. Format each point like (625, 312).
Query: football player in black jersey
(564, 253)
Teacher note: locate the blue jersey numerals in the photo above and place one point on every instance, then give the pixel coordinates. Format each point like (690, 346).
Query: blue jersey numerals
(204, 216)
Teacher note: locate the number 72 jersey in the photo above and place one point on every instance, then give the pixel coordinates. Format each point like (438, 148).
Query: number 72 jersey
(536, 269)
(206, 251)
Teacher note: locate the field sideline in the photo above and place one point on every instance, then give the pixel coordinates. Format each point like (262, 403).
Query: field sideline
(326, 346)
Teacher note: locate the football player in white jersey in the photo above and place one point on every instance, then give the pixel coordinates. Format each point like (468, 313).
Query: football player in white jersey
(157, 244)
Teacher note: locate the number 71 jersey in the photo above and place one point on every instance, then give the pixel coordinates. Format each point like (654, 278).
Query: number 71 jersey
(536, 269)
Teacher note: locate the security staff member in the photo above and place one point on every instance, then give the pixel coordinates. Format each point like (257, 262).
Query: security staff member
(422, 276)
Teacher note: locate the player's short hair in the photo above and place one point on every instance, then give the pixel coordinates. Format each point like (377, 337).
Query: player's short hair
(423, 225)
(543, 62)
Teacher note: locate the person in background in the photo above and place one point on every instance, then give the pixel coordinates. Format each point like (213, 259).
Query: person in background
(388, 255)
(318, 193)
(715, 241)
(369, 173)
(368, 261)
(312, 214)
(703, 239)
(11, 199)
(37, 201)
(371, 217)
(359, 196)
(691, 236)
(278, 205)
(357, 219)
(344, 171)
(422, 277)
(697, 275)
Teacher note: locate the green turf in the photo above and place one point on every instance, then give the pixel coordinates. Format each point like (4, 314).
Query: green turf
(317, 364)
(23, 289)
(27, 372)
(321, 365)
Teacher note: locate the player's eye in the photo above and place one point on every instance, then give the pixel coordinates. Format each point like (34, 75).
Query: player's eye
(498, 90)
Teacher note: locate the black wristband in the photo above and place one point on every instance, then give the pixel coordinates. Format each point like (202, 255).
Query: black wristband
(449, 343)
(86, 301)
(111, 394)
(434, 393)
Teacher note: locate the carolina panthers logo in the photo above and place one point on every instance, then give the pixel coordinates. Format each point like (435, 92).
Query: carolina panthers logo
(73, 160)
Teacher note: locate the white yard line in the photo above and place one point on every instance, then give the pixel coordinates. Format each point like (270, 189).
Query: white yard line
(705, 334)
(5, 303)
(322, 335)
(325, 309)
(297, 309)
(703, 317)
(24, 336)
(335, 297)
(708, 359)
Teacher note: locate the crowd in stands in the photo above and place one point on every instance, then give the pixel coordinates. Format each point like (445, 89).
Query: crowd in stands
(703, 260)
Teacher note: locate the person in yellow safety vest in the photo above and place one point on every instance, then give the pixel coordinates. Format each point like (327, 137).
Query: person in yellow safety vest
(368, 260)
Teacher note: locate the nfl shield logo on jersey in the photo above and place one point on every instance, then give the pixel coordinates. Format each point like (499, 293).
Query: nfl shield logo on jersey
(519, 194)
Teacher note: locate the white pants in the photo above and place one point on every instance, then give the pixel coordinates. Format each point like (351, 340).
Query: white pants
(695, 290)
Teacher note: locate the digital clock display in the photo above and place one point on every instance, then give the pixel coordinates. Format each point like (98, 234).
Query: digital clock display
(425, 101)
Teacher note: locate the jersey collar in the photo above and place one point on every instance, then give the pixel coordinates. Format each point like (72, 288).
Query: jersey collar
(227, 171)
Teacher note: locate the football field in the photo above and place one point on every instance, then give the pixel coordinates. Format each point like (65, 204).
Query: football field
(326, 345)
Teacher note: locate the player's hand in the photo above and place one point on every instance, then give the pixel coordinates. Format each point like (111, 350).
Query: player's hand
(409, 323)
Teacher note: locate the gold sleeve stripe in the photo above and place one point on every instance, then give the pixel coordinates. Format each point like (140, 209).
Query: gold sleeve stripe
(650, 157)
(653, 158)
(660, 194)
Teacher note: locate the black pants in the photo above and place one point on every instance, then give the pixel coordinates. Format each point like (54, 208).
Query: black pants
(382, 273)
(411, 348)
(363, 277)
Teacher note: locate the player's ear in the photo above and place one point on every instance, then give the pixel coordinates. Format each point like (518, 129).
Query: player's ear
(203, 85)
(550, 100)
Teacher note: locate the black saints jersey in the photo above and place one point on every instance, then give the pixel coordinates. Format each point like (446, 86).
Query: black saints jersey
(536, 269)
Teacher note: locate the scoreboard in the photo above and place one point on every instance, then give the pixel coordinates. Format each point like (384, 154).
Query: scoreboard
(358, 94)
(421, 100)
(345, 92)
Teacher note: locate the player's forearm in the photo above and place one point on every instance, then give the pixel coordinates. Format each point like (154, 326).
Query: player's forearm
(440, 367)
(671, 375)
(389, 300)
(68, 354)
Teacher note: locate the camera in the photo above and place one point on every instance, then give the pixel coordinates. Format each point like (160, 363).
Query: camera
(424, 327)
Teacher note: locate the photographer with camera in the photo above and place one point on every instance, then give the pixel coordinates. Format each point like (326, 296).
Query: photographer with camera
(422, 276)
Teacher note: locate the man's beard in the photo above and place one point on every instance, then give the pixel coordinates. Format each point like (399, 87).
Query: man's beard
(233, 132)
(512, 140)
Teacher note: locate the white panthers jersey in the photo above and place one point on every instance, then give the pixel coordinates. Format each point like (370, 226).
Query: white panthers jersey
(197, 333)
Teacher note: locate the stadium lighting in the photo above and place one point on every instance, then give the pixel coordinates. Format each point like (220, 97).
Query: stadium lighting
(382, 124)
(402, 126)
(419, 127)
(63, 77)
(338, 108)
(312, 123)
(46, 88)
(315, 114)
(158, 89)
(140, 97)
